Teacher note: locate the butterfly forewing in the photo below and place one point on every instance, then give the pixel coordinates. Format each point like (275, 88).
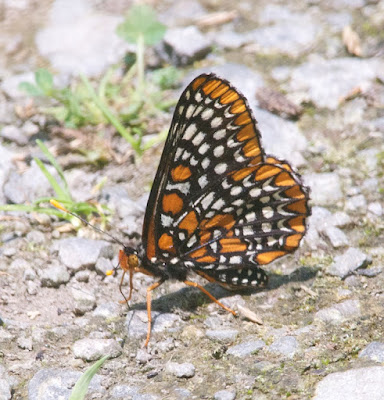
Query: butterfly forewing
(219, 206)
(212, 133)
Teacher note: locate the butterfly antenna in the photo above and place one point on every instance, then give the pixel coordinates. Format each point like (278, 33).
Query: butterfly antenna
(59, 206)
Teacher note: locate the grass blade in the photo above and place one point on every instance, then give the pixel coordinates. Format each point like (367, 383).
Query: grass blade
(80, 389)
(111, 118)
(60, 192)
(56, 165)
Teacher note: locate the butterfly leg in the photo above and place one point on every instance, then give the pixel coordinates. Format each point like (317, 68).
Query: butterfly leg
(149, 303)
(196, 285)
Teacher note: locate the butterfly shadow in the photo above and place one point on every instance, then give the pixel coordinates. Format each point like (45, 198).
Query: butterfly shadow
(188, 299)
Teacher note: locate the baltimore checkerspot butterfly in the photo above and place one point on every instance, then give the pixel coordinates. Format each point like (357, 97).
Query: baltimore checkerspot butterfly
(219, 206)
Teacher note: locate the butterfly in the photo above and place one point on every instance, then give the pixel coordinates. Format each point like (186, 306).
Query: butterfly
(219, 206)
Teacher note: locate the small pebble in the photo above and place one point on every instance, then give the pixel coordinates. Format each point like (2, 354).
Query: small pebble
(222, 335)
(94, 349)
(225, 395)
(374, 351)
(286, 346)
(185, 370)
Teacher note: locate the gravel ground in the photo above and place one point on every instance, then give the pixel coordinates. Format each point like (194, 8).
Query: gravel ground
(319, 102)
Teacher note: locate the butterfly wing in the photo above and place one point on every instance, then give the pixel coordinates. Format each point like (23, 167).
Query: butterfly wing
(213, 133)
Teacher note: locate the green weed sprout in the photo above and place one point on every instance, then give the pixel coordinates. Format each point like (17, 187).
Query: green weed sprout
(81, 387)
(62, 192)
(142, 28)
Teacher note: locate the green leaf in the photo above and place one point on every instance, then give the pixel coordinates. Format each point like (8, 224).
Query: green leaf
(141, 21)
(44, 80)
(30, 89)
(64, 192)
(80, 389)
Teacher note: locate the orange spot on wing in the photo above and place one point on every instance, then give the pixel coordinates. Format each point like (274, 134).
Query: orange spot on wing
(284, 179)
(219, 91)
(198, 81)
(266, 171)
(229, 97)
(242, 173)
(232, 245)
(295, 192)
(180, 173)
(151, 249)
(165, 242)
(293, 241)
(298, 206)
(205, 237)
(238, 107)
(266, 258)
(222, 220)
(297, 223)
(207, 259)
(273, 160)
(199, 253)
(252, 148)
(210, 86)
(172, 203)
(189, 222)
(243, 119)
(248, 132)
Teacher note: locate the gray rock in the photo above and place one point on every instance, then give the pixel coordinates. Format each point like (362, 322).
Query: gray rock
(13, 134)
(339, 313)
(290, 37)
(325, 188)
(78, 253)
(82, 276)
(228, 39)
(222, 335)
(225, 395)
(374, 352)
(241, 77)
(356, 203)
(281, 138)
(54, 384)
(246, 348)
(341, 219)
(32, 288)
(29, 275)
(123, 392)
(348, 262)
(137, 322)
(326, 81)
(184, 370)
(182, 393)
(54, 275)
(26, 187)
(87, 49)
(185, 45)
(375, 208)
(84, 301)
(142, 356)
(5, 390)
(336, 236)
(25, 343)
(19, 264)
(36, 237)
(354, 384)
(5, 167)
(182, 12)
(10, 85)
(286, 346)
(94, 349)
(370, 272)
(108, 311)
(103, 265)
